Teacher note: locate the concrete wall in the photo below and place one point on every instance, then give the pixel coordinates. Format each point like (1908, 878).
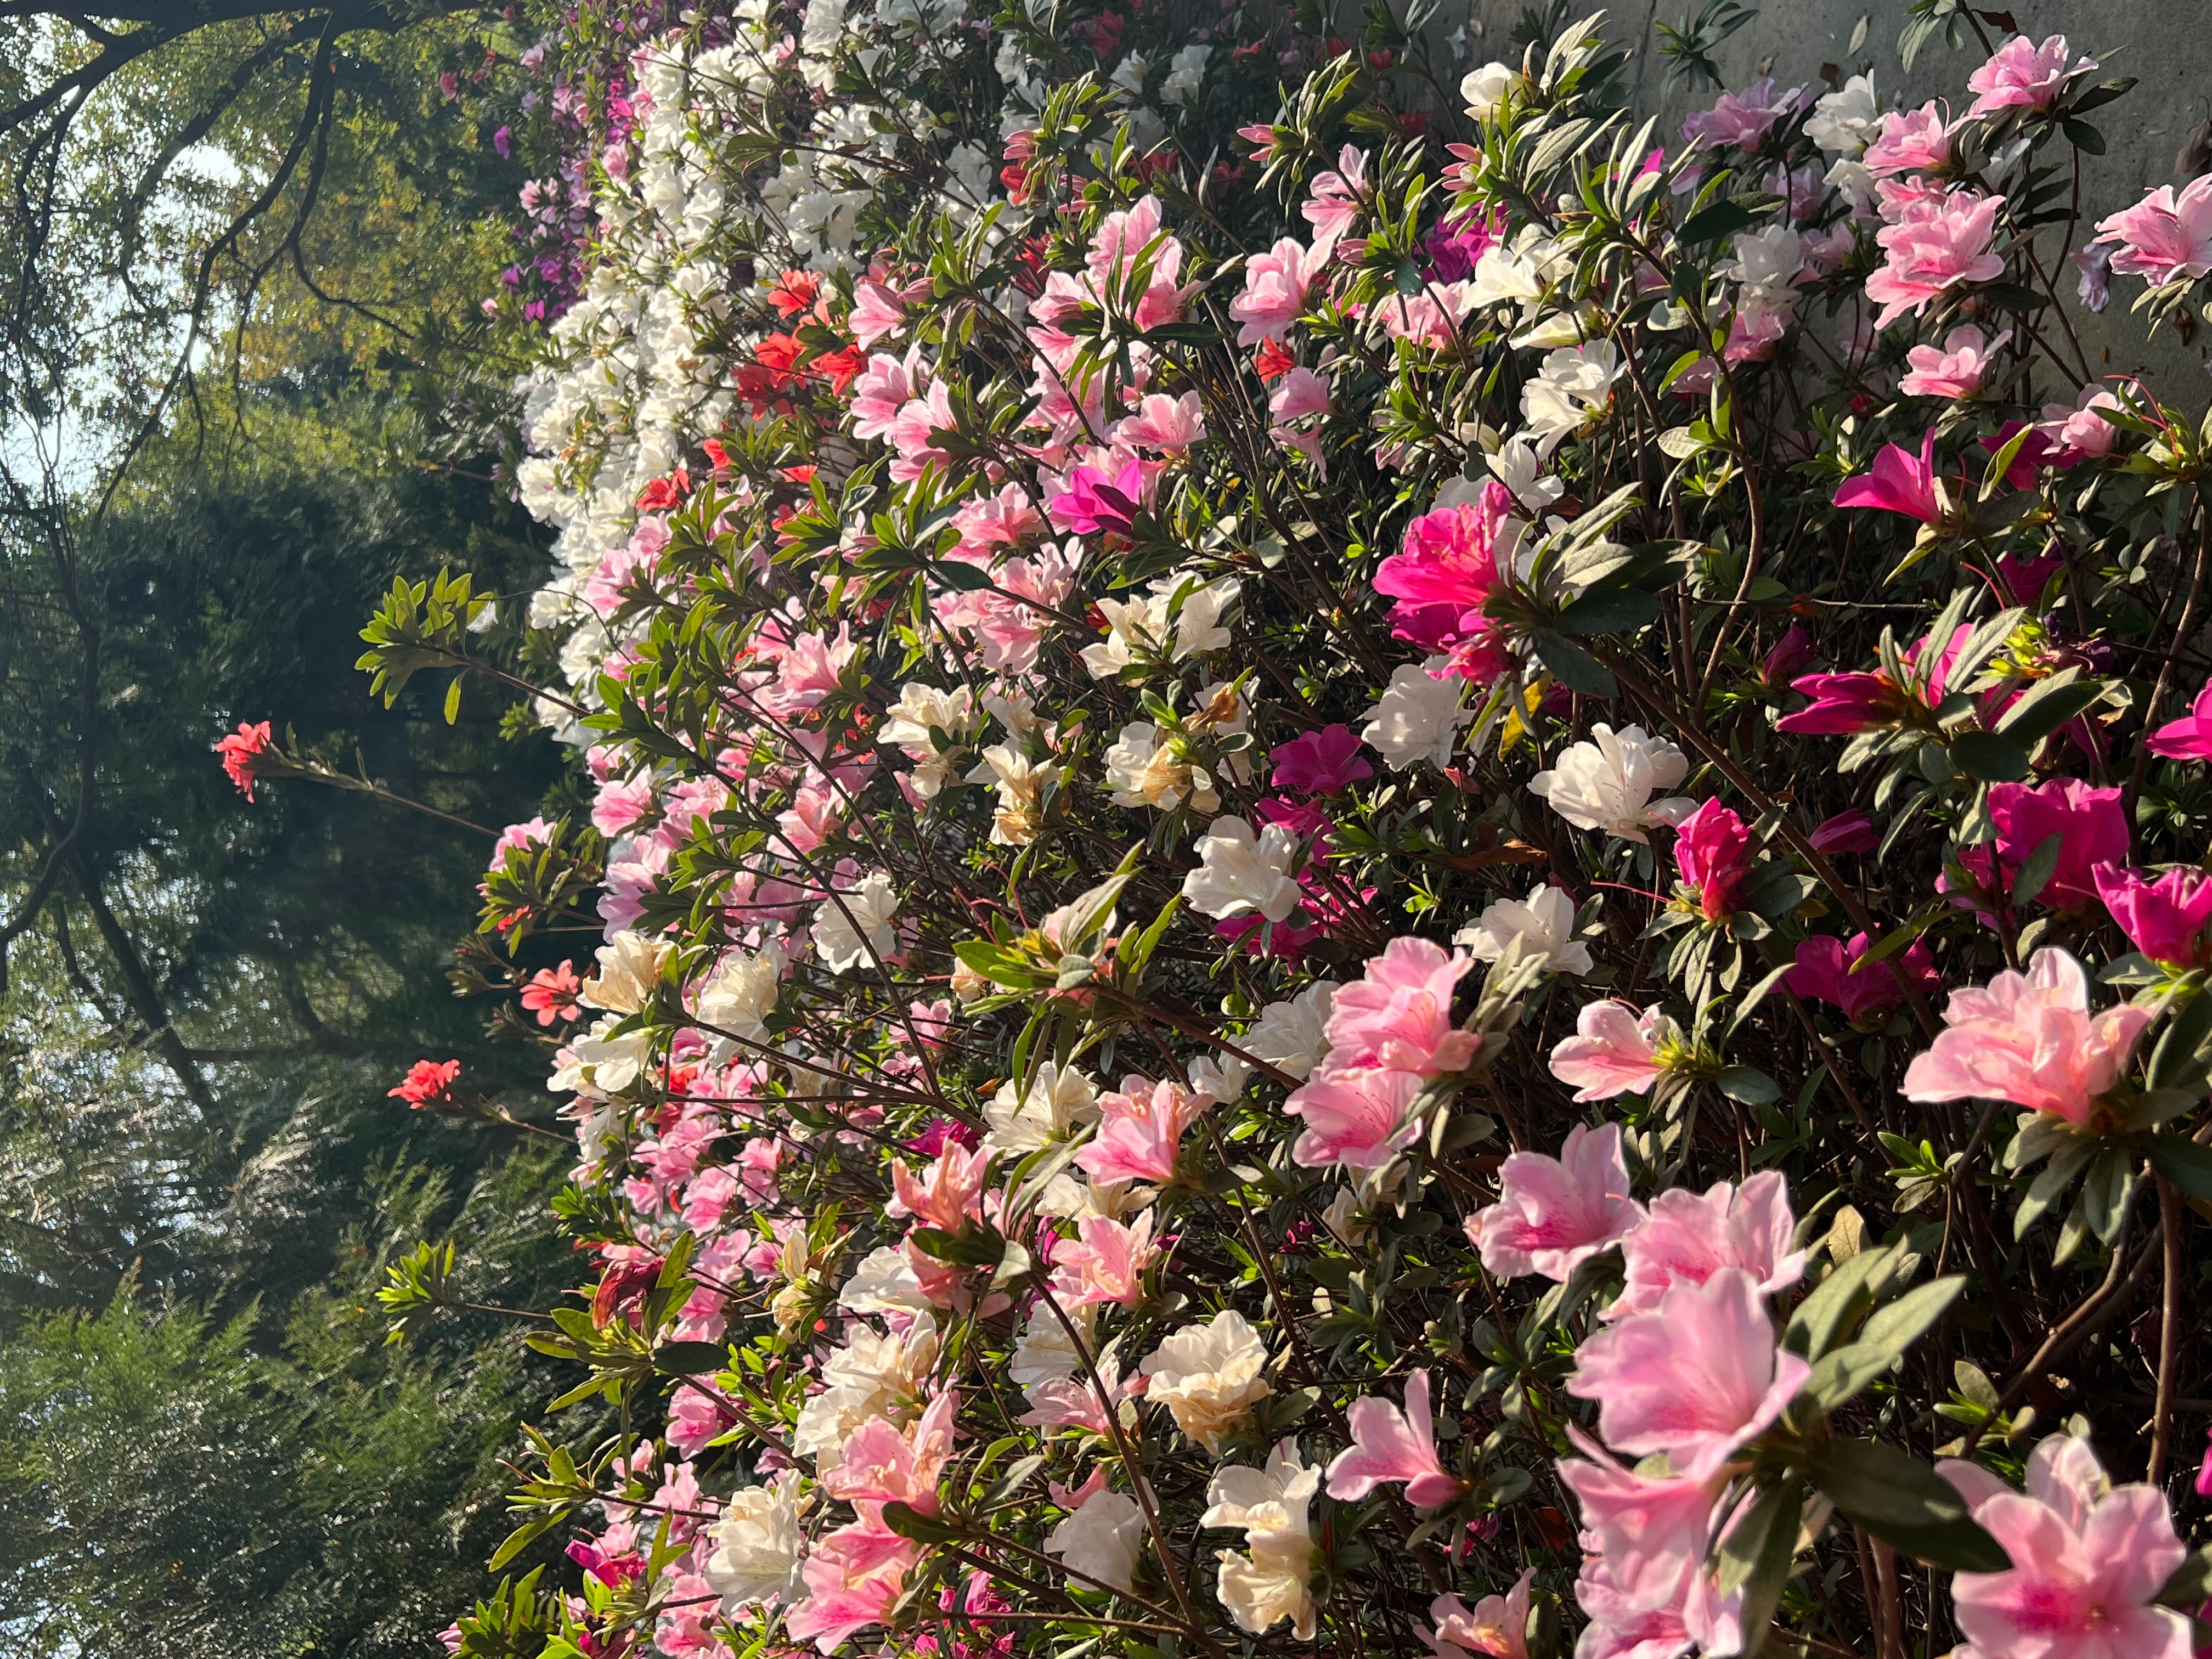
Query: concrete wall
(2166, 44)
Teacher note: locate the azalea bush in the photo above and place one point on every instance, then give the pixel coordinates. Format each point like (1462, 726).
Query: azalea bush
(1383, 861)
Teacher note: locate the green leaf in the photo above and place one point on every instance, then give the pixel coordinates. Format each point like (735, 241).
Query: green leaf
(1721, 219)
(1756, 1556)
(2182, 1162)
(2049, 704)
(2083, 137)
(1896, 1325)
(1837, 1306)
(1903, 1501)
(1610, 611)
(1748, 1085)
(2037, 870)
(453, 701)
(910, 1522)
(2190, 1585)
(1574, 667)
(1989, 757)
(2179, 1043)
(1841, 1373)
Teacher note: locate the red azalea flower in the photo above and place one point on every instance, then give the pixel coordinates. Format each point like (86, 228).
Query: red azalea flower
(665, 493)
(551, 993)
(241, 752)
(427, 1081)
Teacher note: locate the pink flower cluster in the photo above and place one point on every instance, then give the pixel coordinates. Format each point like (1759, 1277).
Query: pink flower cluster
(1442, 578)
(1389, 1033)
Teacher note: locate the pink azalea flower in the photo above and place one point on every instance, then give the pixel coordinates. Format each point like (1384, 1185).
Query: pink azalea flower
(1388, 1444)
(1275, 294)
(1900, 482)
(1914, 141)
(881, 1463)
(1553, 1214)
(1354, 1117)
(1851, 831)
(1792, 652)
(2077, 428)
(1301, 392)
(1164, 423)
(1863, 701)
(1695, 1378)
(1323, 762)
(1262, 140)
(1105, 1262)
(1651, 1531)
(1955, 371)
(1823, 971)
(853, 1577)
(1398, 1013)
(1094, 503)
(2029, 1038)
(1497, 1625)
(1936, 246)
(2167, 919)
(948, 1192)
(1743, 118)
(2164, 235)
(2091, 824)
(1446, 571)
(1712, 848)
(2188, 737)
(1613, 1051)
(1688, 1238)
(876, 311)
(2021, 76)
(2093, 267)
(1335, 204)
(2089, 1560)
(1061, 1402)
(1142, 1131)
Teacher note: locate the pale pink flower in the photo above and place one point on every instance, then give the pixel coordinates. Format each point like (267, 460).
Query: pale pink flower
(1388, 1444)
(1301, 392)
(1274, 290)
(2088, 1560)
(1912, 141)
(883, 1463)
(1553, 1214)
(1938, 245)
(948, 1192)
(1105, 1262)
(1356, 1117)
(884, 387)
(2164, 235)
(1652, 1530)
(1164, 423)
(1063, 1402)
(2078, 428)
(1335, 204)
(1742, 117)
(1497, 1625)
(1688, 1238)
(853, 1577)
(1955, 371)
(876, 311)
(1398, 1013)
(1142, 1129)
(2030, 1039)
(2021, 76)
(1614, 1050)
(1695, 1378)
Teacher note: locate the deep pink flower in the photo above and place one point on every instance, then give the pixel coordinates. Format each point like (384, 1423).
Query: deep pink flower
(1142, 1130)
(1936, 245)
(1354, 1117)
(2021, 76)
(2026, 579)
(2188, 737)
(1447, 570)
(1388, 1444)
(2091, 824)
(2088, 1560)
(2164, 235)
(1957, 370)
(1398, 1014)
(2166, 918)
(1614, 1050)
(1789, 654)
(1900, 482)
(1851, 831)
(1688, 1238)
(1323, 762)
(1823, 969)
(1912, 141)
(1553, 1214)
(1712, 848)
(1096, 504)
(1865, 701)
(2029, 1038)
(1695, 1378)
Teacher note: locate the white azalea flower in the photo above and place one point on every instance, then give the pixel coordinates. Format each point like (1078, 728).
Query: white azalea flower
(1418, 717)
(1486, 89)
(1142, 769)
(1241, 874)
(1292, 1036)
(741, 992)
(629, 969)
(1269, 1583)
(1607, 782)
(859, 932)
(1208, 1376)
(758, 1545)
(1058, 1102)
(1573, 383)
(1100, 1539)
(1544, 925)
(1845, 122)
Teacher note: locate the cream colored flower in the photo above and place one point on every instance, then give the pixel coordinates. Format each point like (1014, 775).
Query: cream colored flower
(1269, 1583)
(629, 969)
(759, 1546)
(1021, 784)
(1058, 1102)
(872, 1375)
(1208, 1376)
(856, 926)
(1241, 874)
(1292, 1036)
(1142, 769)
(741, 992)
